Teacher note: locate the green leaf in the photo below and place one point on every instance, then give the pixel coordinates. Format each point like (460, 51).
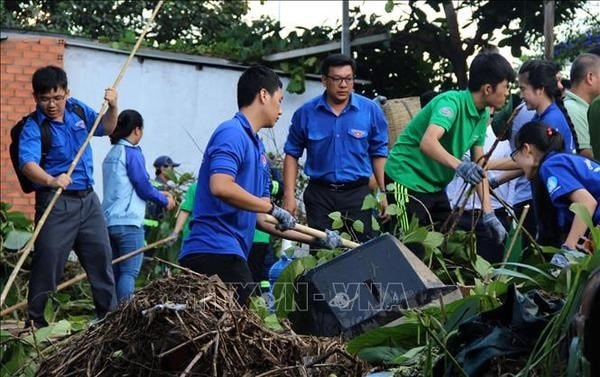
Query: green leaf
(337, 224)
(16, 239)
(405, 335)
(515, 274)
(283, 289)
(337, 215)
(482, 267)
(375, 224)
(392, 210)
(369, 202)
(358, 226)
(582, 212)
(381, 354)
(409, 355)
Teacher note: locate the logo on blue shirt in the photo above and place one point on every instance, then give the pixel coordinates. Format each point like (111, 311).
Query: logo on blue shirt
(552, 184)
(263, 160)
(357, 133)
(80, 124)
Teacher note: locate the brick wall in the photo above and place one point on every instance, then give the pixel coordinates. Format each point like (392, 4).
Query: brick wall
(19, 58)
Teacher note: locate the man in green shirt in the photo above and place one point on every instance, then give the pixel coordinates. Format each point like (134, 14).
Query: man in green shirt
(585, 86)
(428, 153)
(183, 218)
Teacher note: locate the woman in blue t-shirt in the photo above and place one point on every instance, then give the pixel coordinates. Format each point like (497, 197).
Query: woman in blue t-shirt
(560, 178)
(539, 84)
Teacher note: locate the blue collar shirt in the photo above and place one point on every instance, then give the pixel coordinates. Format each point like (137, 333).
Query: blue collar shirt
(338, 148)
(67, 139)
(216, 226)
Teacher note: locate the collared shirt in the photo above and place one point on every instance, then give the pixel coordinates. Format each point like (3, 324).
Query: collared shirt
(464, 126)
(216, 226)
(577, 109)
(127, 186)
(338, 148)
(522, 185)
(554, 117)
(563, 173)
(67, 139)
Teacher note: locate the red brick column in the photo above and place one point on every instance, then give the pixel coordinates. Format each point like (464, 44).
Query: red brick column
(19, 58)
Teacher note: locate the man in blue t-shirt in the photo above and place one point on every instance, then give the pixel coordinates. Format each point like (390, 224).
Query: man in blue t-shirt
(233, 186)
(76, 222)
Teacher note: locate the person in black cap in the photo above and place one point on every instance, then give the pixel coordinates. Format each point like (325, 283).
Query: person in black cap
(154, 213)
(162, 164)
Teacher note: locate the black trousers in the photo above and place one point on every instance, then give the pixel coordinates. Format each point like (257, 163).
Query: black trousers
(75, 223)
(230, 268)
(426, 207)
(320, 201)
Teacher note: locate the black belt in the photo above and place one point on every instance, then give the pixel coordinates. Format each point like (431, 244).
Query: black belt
(342, 186)
(78, 193)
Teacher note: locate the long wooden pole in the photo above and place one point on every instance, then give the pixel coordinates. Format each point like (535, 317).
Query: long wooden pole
(59, 191)
(83, 275)
(313, 232)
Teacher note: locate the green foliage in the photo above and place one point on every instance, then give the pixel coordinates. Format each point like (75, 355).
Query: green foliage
(15, 228)
(21, 356)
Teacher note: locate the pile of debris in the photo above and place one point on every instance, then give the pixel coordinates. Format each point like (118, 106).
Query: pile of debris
(191, 325)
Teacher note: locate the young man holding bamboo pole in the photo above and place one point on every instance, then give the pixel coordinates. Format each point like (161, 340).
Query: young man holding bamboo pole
(76, 222)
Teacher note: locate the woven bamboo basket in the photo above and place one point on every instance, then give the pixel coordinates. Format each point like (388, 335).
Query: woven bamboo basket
(399, 111)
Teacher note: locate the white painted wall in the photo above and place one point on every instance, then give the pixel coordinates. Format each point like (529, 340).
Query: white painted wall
(172, 97)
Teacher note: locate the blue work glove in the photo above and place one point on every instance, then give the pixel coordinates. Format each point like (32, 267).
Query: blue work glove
(172, 241)
(285, 219)
(470, 172)
(494, 225)
(331, 241)
(561, 259)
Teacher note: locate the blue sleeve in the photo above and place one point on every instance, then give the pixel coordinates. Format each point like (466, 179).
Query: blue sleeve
(378, 145)
(90, 116)
(227, 151)
(30, 144)
(296, 140)
(136, 171)
(267, 181)
(559, 178)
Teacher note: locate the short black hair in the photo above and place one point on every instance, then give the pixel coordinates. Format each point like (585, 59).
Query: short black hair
(127, 121)
(489, 68)
(583, 64)
(337, 60)
(254, 79)
(48, 78)
(426, 97)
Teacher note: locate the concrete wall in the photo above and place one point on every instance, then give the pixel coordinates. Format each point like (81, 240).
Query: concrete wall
(181, 103)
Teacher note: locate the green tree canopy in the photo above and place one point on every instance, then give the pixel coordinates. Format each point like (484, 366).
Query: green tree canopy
(422, 53)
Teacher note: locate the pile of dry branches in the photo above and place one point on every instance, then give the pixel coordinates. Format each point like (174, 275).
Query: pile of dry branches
(208, 334)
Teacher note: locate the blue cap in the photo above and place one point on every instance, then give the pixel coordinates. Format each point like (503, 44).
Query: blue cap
(165, 161)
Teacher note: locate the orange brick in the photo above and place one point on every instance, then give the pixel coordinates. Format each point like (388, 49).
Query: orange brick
(14, 69)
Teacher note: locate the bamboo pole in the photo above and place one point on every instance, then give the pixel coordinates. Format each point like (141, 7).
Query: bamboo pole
(516, 234)
(83, 275)
(59, 191)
